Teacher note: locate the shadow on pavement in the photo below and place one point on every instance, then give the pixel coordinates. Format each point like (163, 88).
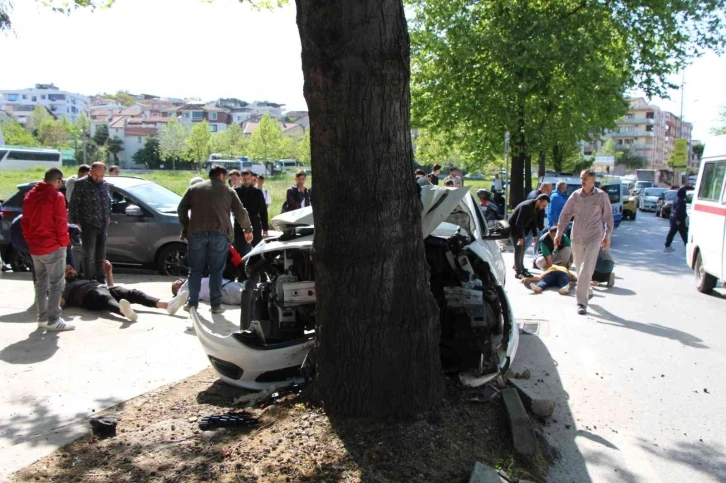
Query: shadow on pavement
(561, 432)
(705, 459)
(653, 329)
(615, 291)
(25, 316)
(39, 346)
(637, 250)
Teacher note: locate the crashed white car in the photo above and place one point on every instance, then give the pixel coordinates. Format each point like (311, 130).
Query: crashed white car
(478, 335)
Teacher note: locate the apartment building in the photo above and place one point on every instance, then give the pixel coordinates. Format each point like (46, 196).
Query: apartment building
(60, 103)
(218, 118)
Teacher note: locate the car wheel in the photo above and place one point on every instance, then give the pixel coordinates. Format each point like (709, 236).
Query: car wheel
(20, 262)
(632, 216)
(172, 260)
(705, 282)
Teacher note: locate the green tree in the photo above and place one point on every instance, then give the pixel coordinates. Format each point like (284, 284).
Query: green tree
(698, 150)
(101, 135)
(230, 142)
(629, 159)
(433, 147)
(149, 155)
(17, 135)
(52, 133)
(720, 127)
(267, 143)
(302, 150)
(199, 142)
(115, 146)
(39, 116)
(82, 125)
(173, 142)
(550, 73)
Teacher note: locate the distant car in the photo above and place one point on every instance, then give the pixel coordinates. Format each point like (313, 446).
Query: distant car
(665, 203)
(640, 186)
(144, 229)
(630, 206)
(474, 176)
(648, 199)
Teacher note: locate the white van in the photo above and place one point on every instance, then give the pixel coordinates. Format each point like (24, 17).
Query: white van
(706, 247)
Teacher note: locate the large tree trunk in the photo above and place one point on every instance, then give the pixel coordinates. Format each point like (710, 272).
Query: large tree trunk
(557, 160)
(516, 177)
(377, 321)
(542, 164)
(528, 174)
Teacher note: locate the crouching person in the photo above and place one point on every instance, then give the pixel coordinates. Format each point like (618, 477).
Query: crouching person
(604, 269)
(92, 295)
(548, 254)
(556, 276)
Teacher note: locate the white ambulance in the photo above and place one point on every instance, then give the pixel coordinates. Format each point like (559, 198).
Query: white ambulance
(706, 248)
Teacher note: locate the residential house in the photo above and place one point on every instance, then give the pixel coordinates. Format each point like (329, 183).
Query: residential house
(60, 103)
(218, 118)
(260, 108)
(288, 129)
(23, 113)
(133, 137)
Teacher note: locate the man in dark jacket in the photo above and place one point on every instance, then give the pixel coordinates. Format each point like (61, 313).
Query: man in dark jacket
(45, 229)
(523, 221)
(298, 196)
(91, 210)
(209, 232)
(678, 220)
(254, 202)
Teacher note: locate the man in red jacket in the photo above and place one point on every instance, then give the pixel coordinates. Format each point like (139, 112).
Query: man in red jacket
(45, 228)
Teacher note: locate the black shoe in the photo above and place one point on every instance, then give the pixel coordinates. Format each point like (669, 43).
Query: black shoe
(581, 309)
(6, 268)
(519, 276)
(527, 274)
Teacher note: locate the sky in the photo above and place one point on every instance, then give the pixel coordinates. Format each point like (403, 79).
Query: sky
(208, 50)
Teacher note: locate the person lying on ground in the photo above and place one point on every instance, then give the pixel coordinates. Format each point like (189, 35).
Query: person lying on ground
(604, 269)
(231, 290)
(548, 254)
(556, 276)
(92, 295)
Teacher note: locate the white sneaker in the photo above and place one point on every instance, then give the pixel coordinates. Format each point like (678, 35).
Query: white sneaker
(42, 324)
(176, 303)
(60, 326)
(565, 290)
(127, 311)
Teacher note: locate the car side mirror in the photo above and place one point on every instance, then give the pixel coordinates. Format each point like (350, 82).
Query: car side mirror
(134, 210)
(498, 231)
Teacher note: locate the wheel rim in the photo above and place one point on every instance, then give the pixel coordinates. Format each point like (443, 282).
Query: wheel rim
(700, 272)
(176, 263)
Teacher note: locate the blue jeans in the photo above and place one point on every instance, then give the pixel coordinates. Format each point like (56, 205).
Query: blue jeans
(554, 279)
(207, 249)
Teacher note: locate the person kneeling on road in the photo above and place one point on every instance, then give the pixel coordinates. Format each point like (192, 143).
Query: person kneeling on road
(604, 269)
(555, 276)
(548, 254)
(92, 295)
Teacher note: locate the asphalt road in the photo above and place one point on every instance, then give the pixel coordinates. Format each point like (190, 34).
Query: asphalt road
(639, 380)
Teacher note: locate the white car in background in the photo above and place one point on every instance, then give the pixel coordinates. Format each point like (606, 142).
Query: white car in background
(648, 199)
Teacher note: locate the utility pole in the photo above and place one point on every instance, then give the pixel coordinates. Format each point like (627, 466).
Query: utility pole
(506, 172)
(83, 133)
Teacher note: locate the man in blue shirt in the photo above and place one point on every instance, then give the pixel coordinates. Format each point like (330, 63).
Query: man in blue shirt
(557, 202)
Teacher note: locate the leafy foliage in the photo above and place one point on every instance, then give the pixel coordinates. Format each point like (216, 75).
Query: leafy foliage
(122, 97)
(173, 145)
(149, 155)
(199, 142)
(101, 135)
(302, 151)
(720, 128)
(17, 135)
(52, 133)
(230, 143)
(267, 143)
(115, 146)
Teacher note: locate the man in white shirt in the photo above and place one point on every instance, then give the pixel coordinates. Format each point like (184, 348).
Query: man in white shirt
(455, 177)
(83, 170)
(231, 291)
(260, 186)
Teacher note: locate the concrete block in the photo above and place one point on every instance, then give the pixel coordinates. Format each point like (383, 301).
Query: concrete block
(484, 474)
(542, 407)
(525, 441)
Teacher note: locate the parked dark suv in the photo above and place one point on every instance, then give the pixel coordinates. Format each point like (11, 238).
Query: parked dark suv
(144, 229)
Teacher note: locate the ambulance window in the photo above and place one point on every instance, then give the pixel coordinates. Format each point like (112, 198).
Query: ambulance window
(712, 181)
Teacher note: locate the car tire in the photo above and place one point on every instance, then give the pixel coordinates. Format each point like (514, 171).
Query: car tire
(632, 216)
(172, 260)
(20, 262)
(705, 282)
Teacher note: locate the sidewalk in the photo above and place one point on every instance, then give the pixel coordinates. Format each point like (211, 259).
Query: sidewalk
(52, 382)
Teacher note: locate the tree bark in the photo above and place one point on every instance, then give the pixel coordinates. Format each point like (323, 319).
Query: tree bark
(541, 166)
(527, 173)
(377, 321)
(516, 177)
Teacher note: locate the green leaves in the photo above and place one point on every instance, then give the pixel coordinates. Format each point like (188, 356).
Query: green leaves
(267, 142)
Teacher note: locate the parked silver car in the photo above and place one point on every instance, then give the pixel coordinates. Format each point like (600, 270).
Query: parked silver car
(144, 229)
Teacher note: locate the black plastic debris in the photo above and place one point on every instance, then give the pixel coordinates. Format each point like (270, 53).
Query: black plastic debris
(227, 421)
(104, 427)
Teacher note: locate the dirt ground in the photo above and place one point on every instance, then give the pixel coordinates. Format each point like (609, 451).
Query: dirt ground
(158, 440)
